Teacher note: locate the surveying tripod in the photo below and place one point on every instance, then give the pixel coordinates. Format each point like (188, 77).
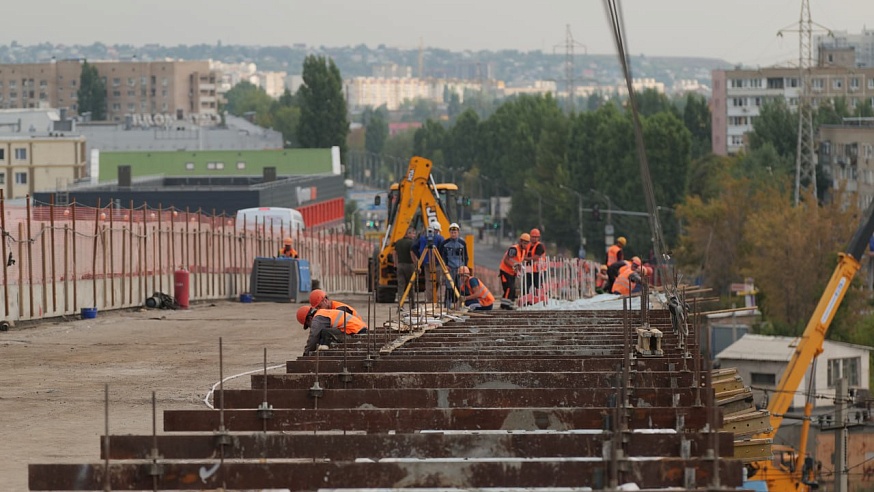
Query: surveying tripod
(430, 249)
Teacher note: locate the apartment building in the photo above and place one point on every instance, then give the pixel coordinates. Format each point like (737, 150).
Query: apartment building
(739, 94)
(362, 92)
(861, 46)
(156, 92)
(40, 163)
(846, 154)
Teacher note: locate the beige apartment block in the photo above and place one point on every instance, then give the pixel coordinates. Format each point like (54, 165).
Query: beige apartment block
(44, 163)
(738, 96)
(846, 154)
(151, 93)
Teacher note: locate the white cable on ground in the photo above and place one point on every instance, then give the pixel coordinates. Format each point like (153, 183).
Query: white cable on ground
(212, 390)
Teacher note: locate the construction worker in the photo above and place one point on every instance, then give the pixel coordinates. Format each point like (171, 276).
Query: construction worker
(629, 276)
(511, 263)
(614, 252)
(474, 293)
(533, 254)
(319, 300)
(405, 261)
(454, 253)
(431, 238)
(328, 326)
(601, 279)
(287, 251)
(613, 270)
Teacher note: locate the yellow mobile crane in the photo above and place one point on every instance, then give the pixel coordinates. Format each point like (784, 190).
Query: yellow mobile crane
(788, 471)
(413, 202)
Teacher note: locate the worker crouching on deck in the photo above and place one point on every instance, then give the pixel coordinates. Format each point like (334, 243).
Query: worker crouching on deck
(328, 326)
(319, 300)
(474, 293)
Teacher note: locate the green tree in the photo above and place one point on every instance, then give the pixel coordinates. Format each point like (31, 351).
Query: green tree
(651, 101)
(696, 116)
(776, 125)
(92, 93)
(429, 141)
(463, 141)
(323, 118)
(376, 132)
(246, 97)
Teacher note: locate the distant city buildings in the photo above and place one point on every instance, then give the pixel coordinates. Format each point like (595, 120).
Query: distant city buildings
(861, 47)
(846, 156)
(157, 91)
(393, 92)
(273, 83)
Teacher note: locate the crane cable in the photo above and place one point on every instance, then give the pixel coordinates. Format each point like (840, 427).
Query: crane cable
(677, 307)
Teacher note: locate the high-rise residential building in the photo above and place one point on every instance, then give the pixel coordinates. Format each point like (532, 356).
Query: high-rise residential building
(846, 156)
(738, 95)
(861, 46)
(158, 92)
(362, 92)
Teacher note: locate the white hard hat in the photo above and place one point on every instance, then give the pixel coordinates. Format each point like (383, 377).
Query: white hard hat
(454, 225)
(437, 226)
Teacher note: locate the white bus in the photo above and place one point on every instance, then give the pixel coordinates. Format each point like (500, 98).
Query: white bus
(288, 219)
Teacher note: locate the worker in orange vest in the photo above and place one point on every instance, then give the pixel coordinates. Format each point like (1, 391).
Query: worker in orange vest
(319, 300)
(287, 251)
(614, 252)
(628, 277)
(474, 293)
(601, 279)
(511, 263)
(327, 326)
(533, 254)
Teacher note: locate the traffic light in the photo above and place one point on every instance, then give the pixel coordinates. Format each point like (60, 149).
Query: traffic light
(596, 213)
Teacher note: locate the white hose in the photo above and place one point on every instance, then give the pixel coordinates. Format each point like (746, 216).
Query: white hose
(212, 390)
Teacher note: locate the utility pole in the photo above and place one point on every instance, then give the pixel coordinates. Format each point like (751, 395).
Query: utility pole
(841, 431)
(805, 160)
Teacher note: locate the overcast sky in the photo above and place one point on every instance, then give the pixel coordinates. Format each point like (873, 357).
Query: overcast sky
(737, 31)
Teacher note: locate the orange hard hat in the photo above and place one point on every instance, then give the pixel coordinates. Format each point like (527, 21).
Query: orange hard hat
(302, 313)
(287, 241)
(535, 232)
(463, 270)
(525, 237)
(636, 260)
(648, 271)
(317, 296)
(621, 240)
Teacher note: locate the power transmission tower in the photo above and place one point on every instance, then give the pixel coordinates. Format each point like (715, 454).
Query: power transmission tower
(570, 78)
(421, 58)
(805, 160)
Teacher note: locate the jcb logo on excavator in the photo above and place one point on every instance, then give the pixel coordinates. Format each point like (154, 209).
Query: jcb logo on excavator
(410, 175)
(433, 223)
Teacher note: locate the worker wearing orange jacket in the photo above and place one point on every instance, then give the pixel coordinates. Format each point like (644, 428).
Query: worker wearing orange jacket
(614, 252)
(533, 253)
(628, 277)
(474, 293)
(287, 251)
(327, 326)
(509, 269)
(319, 299)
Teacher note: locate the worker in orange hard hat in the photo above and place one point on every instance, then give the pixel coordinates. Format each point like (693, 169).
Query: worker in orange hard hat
(614, 252)
(287, 251)
(628, 278)
(511, 263)
(474, 293)
(327, 326)
(319, 300)
(533, 256)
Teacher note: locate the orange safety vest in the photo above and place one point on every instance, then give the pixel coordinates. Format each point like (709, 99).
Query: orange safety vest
(614, 253)
(291, 253)
(337, 305)
(623, 285)
(507, 262)
(529, 254)
(482, 293)
(338, 318)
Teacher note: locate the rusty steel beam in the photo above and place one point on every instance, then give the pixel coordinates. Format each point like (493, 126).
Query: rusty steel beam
(413, 419)
(480, 364)
(646, 379)
(652, 473)
(454, 398)
(426, 445)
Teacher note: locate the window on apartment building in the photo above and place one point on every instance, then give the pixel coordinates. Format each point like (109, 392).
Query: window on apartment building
(165, 81)
(131, 93)
(131, 107)
(792, 82)
(2, 178)
(21, 178)
(116, 106)
(189, 166)
(738, 102)
(21, 154)
(737, 140)
(144, 93)
(13, 95)
(144, 81)
(854, 101)
(73, 83)
(13, 84)
(817, 84)
(854, 83)
(131, 81)
(837, 83)
(775, 82)
(116, 81)
(844, 368)
(241, 165)
(793, 101)
(755, 82)
(116, 93)
(825, 147)
(763, 379)
(43, 84)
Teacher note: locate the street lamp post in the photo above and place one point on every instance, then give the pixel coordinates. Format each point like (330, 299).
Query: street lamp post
(579, 218)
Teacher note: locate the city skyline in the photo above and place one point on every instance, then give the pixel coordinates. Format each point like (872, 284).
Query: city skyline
(744, 31)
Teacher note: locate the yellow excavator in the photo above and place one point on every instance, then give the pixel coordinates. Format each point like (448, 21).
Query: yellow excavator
(790, 470)
(416, 201)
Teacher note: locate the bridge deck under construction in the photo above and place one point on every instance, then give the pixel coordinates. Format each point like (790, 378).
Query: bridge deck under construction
(536, 399)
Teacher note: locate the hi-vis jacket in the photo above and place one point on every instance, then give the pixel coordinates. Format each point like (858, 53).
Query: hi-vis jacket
(339, 319)
(483, 296)
(514, 255)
